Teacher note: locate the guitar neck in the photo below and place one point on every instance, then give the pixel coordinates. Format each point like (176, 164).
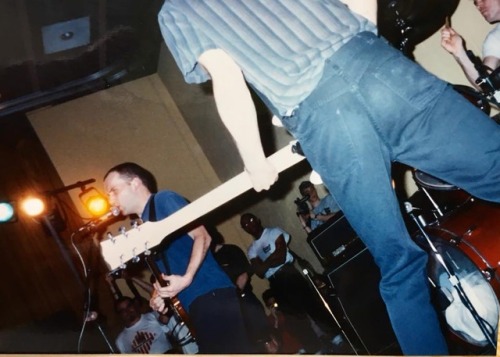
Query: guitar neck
(155, 270)
(174, 305)
(120, 249)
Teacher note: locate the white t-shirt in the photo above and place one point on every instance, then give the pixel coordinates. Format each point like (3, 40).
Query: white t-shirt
(148, 335)
(265, 246)
(491, 44)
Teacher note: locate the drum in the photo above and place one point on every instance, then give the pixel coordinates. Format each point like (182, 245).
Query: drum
(431, 182)
(442, 196)
(470, 308)
(475, 229)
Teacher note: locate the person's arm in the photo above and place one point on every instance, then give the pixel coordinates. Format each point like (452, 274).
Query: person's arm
(323, 217)
(242, 280)
(258, 267)
(178, 283)
(278, 257)
(491, 62)
(237, 112)
(303, 218)
(452, 42)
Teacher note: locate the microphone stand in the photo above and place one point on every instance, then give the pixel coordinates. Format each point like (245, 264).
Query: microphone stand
(327, 307)
(90, 316)
(454, 279)
(485, 80)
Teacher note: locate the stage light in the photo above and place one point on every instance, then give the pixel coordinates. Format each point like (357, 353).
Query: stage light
(94, 201)
(97, 205)
(7, 212)
(33, 206)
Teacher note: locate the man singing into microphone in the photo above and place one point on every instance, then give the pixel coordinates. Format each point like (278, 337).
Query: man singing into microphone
(194, 276)
(355, 104)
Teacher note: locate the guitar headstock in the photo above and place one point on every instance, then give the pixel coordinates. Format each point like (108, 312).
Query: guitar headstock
(128, 245)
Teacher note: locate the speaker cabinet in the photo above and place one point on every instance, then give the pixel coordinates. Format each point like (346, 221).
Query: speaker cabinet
(364, 314)
(335, 242)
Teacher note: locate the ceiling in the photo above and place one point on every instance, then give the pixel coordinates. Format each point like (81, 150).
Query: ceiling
(55, 50)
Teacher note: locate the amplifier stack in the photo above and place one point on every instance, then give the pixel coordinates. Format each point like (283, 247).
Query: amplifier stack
(355, 277)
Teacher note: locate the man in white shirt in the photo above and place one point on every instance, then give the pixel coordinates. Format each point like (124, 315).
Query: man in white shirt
(145, 334)
(453, 42)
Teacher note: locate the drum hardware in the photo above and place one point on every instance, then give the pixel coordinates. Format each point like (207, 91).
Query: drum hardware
(433, 203)
(426, 182)
(489, 271)
(454, 280)
(488, 80)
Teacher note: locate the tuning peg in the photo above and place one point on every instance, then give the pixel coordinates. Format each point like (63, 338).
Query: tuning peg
(122, 265)
(123, 230)
(110, 237)
(135, 224)
(135, 257)
(147, 252)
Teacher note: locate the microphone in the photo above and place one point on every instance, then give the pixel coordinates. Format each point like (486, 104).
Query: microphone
(93, 225)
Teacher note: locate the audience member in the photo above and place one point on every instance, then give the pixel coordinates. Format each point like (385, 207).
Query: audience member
(204, 290)
(270, 258)
(285, 340)
(321, 209)
(143, 333)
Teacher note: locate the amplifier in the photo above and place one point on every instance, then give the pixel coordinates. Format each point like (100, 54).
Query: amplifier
(365, 317)
(334, 242)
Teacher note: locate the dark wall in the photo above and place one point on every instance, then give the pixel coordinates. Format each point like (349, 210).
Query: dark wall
(37, 280)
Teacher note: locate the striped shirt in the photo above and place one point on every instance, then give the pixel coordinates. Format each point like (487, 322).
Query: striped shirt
(280, 45)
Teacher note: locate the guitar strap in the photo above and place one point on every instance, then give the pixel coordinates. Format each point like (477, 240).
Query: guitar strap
(153, 218)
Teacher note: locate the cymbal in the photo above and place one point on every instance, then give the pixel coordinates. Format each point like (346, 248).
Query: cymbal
(406, 23)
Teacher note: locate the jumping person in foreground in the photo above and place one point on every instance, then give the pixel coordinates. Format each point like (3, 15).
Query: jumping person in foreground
(355, 104)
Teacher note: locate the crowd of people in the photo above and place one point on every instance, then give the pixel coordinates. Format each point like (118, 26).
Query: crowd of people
(356, 104)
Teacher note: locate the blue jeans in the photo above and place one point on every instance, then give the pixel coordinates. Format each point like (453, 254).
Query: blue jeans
(218, 323)
(374, 106)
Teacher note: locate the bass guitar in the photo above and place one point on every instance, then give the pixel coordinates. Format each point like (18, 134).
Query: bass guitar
(128, 245)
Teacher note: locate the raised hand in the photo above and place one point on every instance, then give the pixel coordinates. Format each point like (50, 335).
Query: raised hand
(451, 41)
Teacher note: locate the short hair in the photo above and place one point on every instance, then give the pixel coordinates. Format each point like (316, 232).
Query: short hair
(247, 216)
(121, 299)
(133, 170)
(305, 184)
